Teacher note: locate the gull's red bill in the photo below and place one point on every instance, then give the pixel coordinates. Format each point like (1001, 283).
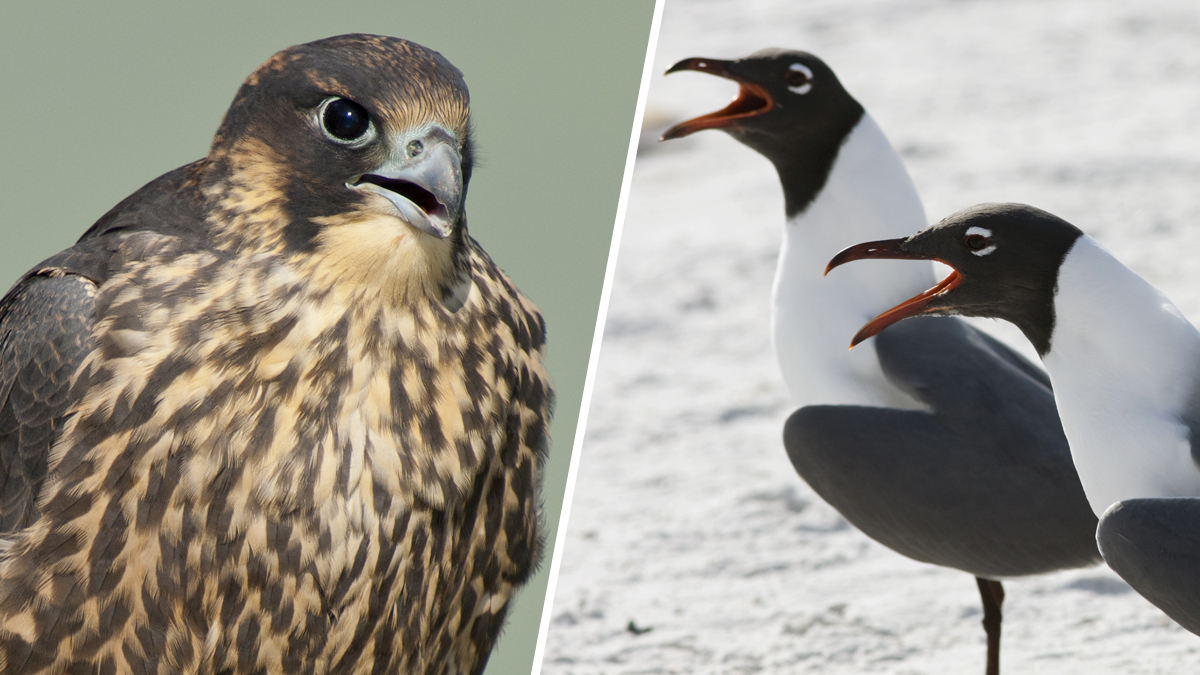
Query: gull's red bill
(890, 249)
(751, 101)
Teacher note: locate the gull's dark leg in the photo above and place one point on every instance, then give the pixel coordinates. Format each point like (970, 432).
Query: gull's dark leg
(992, 594)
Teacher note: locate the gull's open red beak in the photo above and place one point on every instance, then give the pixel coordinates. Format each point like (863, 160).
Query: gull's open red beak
(751, 101)
(890, 249)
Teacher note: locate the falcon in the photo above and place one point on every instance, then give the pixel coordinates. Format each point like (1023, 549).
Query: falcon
(276, 412)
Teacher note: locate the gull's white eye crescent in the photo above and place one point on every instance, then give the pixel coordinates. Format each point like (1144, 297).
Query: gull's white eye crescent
(979, 240)
(799, 78)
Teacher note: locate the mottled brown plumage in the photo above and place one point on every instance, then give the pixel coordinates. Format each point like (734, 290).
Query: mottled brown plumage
(257, 422)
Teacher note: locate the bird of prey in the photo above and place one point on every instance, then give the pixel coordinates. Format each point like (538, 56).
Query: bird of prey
(276, 412)
(1126, 370)
(939, 442)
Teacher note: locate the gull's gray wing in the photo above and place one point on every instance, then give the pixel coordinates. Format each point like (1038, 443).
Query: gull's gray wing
(1154, 544)
(982, 482)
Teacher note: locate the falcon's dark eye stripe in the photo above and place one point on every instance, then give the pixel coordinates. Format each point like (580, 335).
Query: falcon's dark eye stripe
(345, 120)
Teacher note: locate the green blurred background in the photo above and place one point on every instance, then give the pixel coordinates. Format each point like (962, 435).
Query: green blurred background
(100, 98)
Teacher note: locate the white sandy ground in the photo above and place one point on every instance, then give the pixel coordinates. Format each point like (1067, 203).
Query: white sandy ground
(687, 518)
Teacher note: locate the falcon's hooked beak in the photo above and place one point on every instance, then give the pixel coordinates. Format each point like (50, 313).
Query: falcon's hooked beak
(752, 100)
(893, 249)
(423, 180)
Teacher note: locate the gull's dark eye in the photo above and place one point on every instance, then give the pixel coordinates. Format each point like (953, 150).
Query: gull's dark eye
(345, 120)
(977, 242)
(796, 78)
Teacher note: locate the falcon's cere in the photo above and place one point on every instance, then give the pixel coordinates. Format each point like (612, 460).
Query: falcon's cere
(276, 412)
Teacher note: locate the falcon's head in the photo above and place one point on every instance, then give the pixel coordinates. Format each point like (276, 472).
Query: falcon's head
(353, 154)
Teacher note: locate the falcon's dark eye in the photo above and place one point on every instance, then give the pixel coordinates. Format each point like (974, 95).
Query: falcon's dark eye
(345, 120)
(977, 242)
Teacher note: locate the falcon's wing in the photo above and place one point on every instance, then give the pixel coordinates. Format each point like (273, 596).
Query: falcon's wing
(45, 333)
(46, 325)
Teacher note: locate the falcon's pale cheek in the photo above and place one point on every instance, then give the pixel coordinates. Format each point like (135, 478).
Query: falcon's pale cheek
(379, 254)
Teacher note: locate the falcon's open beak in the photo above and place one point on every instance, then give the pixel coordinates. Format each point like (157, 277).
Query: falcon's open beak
(752, 100)
(423, 180)
(891, 249)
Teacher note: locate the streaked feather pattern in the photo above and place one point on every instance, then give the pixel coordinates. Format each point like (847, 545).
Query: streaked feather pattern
(263, 457)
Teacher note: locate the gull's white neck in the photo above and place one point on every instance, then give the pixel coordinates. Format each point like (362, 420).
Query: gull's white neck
(1124, 363)
(868, 196)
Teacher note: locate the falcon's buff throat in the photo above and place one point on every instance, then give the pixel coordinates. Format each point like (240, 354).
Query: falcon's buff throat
(277, 412)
